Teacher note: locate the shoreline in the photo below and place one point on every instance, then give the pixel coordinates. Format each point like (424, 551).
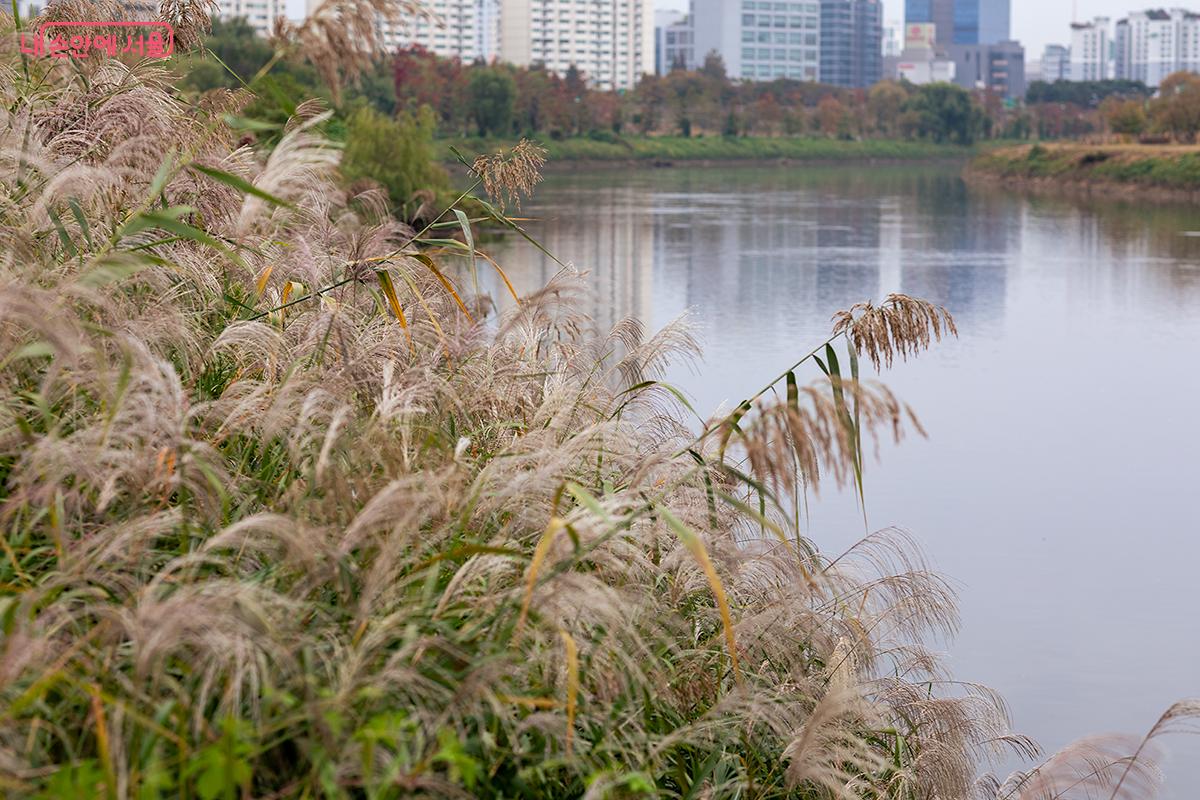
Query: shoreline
(1168, 174)
(597, 164)
(1107, 191)
(664, 152)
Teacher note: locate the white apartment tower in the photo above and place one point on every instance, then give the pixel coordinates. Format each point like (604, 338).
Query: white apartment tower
(610, 41)
(760, 39)
(462, 29)
(1152, 44)
(259, 14)
(1122, 58)
(1089, 50)
(1056, 63)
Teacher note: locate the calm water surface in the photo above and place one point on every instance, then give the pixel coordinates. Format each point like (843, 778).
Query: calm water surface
(1059, 483)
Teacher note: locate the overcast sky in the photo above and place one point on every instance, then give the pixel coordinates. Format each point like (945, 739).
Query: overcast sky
(1035, 23)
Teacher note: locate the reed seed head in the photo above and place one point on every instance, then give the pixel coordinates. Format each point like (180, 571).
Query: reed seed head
(506, 177)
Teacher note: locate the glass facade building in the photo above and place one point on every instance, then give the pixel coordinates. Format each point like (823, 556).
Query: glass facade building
(851, 42)
(962, 21)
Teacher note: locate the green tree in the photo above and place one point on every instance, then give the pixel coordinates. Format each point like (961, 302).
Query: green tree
(1124, 117)
(714, 67)
(1086, 94)
(943, 112)
(884, 102)
(1176, 110)
(397, 153)
(492, 93)
(234, 45)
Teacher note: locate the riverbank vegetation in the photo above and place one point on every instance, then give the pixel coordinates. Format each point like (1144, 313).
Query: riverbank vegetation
(288, 512)
(601, 148)
(1115, 110)
(1170, 170)
(505, 101)
(1144, 143)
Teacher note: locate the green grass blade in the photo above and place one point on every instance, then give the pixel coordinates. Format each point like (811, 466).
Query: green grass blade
(63, 237)
(465, 224)
(81, 221)
(240, 184)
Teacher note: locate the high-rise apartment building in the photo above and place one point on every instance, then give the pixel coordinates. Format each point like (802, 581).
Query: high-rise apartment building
(673, 46)
(462, 29)
(259, 14)
(1189, 42)
(1089, 50)
(893, 38)
(1150, 45)
(851, 42)
(761, 39)
(610, 41)
(1122, 58)
(1056, 63)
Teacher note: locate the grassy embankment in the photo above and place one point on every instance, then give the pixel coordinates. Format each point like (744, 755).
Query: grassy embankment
(1167, 170)
(721, 148)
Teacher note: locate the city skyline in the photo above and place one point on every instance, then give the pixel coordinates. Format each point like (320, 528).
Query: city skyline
(1034, 24)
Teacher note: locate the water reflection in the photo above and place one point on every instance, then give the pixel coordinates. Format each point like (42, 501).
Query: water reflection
(1057, 483)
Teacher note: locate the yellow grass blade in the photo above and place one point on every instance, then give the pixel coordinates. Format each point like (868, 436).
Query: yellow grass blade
(572, 653)
(540, 551)
(283, 298)
(261, 284)
(696, 547)
(389, 291)
(429, 262)
(500, 272)
(428, 311)
(102, 743)
(531, 702)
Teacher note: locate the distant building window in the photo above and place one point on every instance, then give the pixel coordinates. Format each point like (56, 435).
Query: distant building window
(748, 20)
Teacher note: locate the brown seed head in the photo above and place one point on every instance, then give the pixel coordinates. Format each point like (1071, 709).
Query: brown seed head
(900, 326)
(507, 178)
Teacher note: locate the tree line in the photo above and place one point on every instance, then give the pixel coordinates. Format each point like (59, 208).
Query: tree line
(504, 100)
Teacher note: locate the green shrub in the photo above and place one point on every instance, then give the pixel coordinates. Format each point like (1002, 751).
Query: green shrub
(397, 153)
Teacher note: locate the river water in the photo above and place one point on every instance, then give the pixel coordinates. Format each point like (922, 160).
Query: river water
(1059, 483)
